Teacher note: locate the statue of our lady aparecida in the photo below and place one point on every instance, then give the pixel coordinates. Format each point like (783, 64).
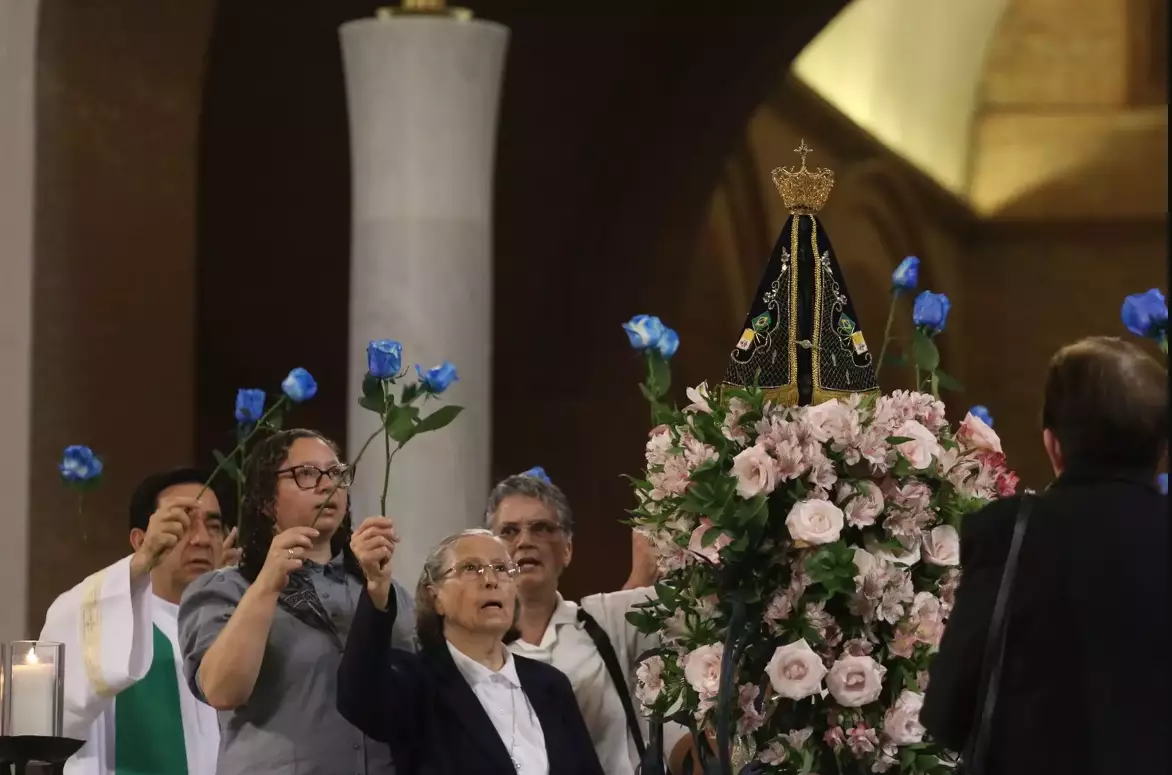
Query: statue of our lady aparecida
(802, 341)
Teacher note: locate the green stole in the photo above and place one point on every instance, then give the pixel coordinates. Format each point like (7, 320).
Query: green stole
(148, 722)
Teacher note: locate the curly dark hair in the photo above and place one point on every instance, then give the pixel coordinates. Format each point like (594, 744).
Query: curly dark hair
(257, 526)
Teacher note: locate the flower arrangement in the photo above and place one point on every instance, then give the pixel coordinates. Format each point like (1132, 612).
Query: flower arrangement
(251, 417)
(81, 473)
(809, 559)
(400, 421)
(1146, 315)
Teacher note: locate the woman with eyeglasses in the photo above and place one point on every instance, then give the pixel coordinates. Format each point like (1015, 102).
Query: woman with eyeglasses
(464, 704)
(262, 642)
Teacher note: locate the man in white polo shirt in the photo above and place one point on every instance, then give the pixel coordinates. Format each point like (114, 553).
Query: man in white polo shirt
(533, 517)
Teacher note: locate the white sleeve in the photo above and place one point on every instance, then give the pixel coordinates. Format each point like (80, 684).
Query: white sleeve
(610, 609)
(106, 625)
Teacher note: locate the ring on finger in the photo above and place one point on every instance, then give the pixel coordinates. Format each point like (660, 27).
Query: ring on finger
(292, 552)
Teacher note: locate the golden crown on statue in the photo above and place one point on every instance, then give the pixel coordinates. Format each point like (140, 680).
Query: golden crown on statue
(804, 192)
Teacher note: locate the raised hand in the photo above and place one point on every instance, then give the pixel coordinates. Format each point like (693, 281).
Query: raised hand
(229, 553)
(165, 530)
(286, 554)
(644, 571)
(373, 544)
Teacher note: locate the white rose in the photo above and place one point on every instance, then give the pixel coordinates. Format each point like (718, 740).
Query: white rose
(921, 447)
(976, 433)
(855, 681)
(942, 546)
(649, 675)
(756, 472)
(902, 725)
(815, 522)
(702, 669)
(795, 671)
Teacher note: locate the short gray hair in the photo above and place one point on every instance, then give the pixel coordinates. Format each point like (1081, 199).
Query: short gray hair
(429, 624)
(531, 487)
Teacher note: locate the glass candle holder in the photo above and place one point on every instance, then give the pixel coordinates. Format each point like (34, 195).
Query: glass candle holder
(34, 689)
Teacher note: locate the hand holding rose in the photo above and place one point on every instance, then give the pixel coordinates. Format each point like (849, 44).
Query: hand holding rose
(373, 544)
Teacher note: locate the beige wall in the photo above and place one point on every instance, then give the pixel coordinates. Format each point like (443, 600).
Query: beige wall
(18, 23)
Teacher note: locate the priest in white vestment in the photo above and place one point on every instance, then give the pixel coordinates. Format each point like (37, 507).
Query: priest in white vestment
(124, 689)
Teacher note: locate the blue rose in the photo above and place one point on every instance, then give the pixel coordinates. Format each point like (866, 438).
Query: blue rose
(667, 343)
(537, 472)
(250, 405)
(1162, 483)
(437, 378)
(299, 386)
(1145, 314)
(906, 276)
(643, 331)
(931, 311)
(981, 412)
(384, 358)
(79, 464)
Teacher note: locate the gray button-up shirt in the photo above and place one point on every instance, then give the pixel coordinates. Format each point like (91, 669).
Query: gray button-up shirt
(290, 725)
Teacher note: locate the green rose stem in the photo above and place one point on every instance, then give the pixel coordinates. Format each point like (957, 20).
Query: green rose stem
(81, 515)
(887, 333)
(1163, 342)
(239, 448)
(241, 445)
(382, 501)
(334, 488)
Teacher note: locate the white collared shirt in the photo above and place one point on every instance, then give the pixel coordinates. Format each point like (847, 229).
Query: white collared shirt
(504, 701)
(567, 646)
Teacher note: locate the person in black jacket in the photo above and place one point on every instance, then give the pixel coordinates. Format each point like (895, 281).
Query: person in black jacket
(464, 704)
(1085, 682)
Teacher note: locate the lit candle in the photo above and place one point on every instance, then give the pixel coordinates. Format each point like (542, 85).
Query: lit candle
(32, 694)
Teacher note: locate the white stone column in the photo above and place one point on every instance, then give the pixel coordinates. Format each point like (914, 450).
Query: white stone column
(423, 94)
(18, 45)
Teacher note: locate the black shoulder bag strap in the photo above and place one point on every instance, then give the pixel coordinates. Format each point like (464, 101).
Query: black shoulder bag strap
(978, 748)
(602, 643)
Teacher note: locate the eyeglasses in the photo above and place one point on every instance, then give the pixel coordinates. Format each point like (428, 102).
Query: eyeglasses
(309, 477)
(472, 571)
(539, 531)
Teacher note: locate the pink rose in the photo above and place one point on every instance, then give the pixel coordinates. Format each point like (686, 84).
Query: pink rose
(901, 725)
(702, 669)
(975, 434)
(815, 522)
(795, 671)
(865, 506)
(942, 546)
(921, 447)
(712, 551)
(756, 472)
(855, 681)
